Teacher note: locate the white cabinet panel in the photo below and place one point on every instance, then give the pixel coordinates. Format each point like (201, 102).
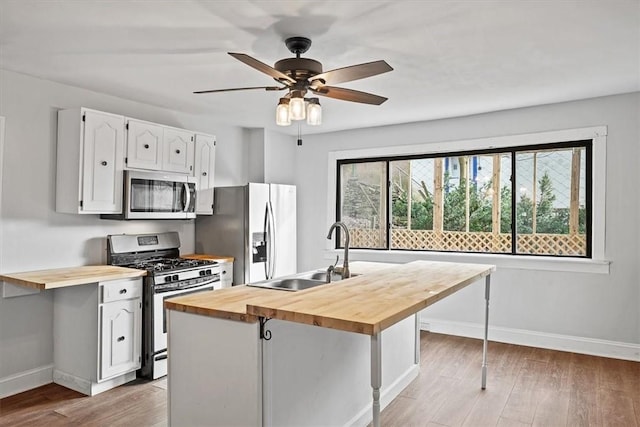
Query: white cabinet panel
(89, 162)
(205, 158)
(120, 337)
(144, 145)
(178, 151)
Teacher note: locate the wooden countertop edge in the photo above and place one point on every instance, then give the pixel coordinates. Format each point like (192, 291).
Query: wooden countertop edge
(209, 257)
(210, 312)
(83, 279)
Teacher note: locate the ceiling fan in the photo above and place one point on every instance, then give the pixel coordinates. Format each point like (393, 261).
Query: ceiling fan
(300, 75)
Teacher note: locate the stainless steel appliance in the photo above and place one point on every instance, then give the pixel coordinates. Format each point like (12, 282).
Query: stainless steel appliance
(157, 195)
(168, 276)
(256, 224)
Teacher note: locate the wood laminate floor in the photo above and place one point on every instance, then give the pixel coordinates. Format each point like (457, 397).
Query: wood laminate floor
(526, 387)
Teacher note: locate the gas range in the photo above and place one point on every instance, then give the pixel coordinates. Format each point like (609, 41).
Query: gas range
(168, 276)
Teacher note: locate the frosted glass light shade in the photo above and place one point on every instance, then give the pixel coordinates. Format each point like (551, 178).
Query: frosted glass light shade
(297, 109)
(283, 117)
(314, 112)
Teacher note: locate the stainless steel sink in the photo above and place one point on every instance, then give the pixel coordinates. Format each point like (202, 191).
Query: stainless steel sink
(292, 284)
(322, 275)
(299, 282)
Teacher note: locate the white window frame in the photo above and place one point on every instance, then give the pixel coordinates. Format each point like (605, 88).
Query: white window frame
(596, 264)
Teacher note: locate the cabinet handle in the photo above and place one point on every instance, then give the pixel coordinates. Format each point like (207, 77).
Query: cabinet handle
(204, 174)
(103, 163)
(120, 339)
(123, 291)
(177, 151)
(224, 271)
(146, 145)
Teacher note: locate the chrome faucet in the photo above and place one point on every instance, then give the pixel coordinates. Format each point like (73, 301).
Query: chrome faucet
(345, 264)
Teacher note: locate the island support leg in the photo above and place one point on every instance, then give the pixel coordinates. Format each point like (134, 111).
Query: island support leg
(376, 375)
(487, 288)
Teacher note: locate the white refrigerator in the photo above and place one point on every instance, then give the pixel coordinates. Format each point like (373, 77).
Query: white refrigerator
(255, 224)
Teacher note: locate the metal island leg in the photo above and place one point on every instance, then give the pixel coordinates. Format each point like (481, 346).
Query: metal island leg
(376, 375)
(487, 288)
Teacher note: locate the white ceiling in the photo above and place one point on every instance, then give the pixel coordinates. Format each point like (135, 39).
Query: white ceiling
(450, 58)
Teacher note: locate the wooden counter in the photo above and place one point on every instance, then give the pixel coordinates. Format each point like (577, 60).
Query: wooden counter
(208, 257)
(72, 276)
(382, 295)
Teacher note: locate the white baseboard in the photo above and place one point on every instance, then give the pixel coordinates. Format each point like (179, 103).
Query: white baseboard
(26, 380)
(387, 394)
(90, 388)
(594, 347)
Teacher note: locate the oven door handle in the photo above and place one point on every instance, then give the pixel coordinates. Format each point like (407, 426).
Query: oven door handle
(186, 197)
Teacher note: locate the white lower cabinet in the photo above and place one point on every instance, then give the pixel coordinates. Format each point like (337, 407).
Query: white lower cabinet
(226, 274)
(97, 335)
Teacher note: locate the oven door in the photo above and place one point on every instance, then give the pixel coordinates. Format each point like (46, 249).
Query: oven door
(160, 320)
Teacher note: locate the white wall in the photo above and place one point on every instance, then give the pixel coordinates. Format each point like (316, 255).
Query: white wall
(587, 306)
(34, 236)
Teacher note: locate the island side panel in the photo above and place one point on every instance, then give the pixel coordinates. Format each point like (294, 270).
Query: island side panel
(215, 371)
(318, 376)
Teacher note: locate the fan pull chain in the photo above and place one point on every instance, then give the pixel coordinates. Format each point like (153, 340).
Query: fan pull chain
(299, 135)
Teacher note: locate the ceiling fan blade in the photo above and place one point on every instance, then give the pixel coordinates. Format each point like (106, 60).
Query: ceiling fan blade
(354, 72)
(349, 95)
(261, 66)
(242, 88)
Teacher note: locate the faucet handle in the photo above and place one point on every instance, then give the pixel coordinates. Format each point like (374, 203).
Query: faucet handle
(337, 259)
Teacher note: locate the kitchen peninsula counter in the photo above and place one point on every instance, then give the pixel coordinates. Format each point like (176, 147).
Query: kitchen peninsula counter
(378, 296)
(261, 356)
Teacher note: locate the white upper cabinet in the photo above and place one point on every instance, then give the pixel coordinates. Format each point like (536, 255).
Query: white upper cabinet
(205, 159)
(178, 151)
(144, 145)
(89, 162)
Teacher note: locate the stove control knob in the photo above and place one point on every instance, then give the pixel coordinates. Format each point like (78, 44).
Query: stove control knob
(209, 272)
(167, 278)
(175, 277)
(202, 272)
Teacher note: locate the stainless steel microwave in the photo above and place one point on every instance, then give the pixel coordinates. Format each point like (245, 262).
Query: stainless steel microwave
(157, 195)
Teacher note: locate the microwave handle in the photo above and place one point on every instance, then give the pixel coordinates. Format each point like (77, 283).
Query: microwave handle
(187, 197)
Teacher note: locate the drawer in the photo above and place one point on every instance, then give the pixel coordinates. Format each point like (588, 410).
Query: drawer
(115, 290)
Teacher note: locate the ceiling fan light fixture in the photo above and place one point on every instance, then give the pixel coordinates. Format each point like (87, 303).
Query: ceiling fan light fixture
(283, 117)
(314, 112)
(297, 106)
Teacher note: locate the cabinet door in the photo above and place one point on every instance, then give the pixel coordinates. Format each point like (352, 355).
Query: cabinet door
(178, 151)
(102, 163)
(144, 145)
(120, 337)
(226, 274)
(205, 159)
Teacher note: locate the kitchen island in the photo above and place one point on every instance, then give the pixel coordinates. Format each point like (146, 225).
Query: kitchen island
(253, 356)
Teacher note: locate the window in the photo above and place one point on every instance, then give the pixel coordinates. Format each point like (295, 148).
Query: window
(519, 200)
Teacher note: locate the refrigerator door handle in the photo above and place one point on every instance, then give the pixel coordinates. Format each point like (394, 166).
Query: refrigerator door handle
(266, 241)
(272, 241)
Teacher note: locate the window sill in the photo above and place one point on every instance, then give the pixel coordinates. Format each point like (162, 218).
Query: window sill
(521, 262)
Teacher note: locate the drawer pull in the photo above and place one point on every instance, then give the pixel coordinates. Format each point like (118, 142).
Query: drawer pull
(120, 339)
(146, 146)
(224, 271)
(123, 291)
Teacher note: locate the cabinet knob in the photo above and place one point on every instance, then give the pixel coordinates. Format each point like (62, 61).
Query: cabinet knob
(177, 151)
(123, 291)
(120, 339)
(146, 145)
(204, 174)
(103, 163)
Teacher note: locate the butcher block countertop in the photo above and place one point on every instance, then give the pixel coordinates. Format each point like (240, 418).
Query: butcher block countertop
(209, 257)
(382, 295)
(72, 276)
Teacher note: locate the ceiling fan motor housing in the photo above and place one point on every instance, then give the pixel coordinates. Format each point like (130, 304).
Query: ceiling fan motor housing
(299, 68)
